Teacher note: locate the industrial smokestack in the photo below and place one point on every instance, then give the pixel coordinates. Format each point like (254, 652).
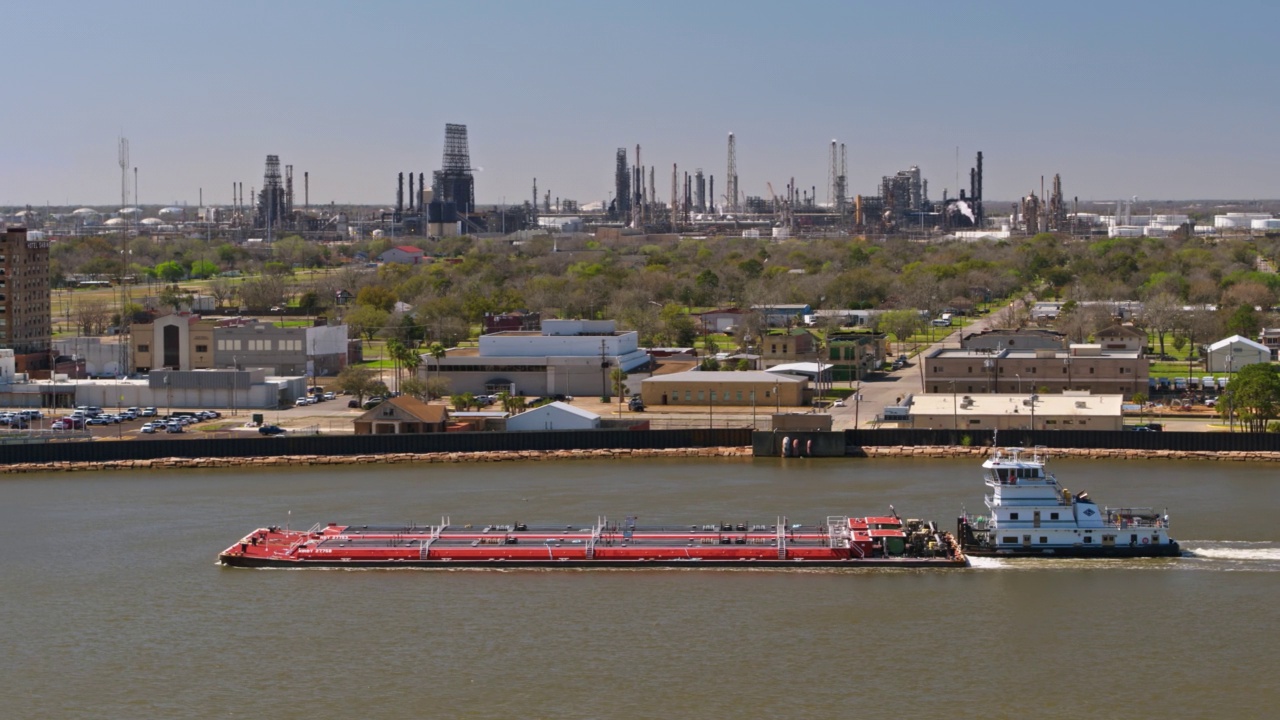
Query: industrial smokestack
(410, 192)
(306, 189)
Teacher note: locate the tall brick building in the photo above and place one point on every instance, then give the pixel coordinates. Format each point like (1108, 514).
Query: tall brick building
(25, 323)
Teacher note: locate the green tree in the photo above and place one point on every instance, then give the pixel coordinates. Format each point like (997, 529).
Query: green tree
(415, 387)
(359, 381)
(1254, 396)
(437, 352)
(171, 271)
(1244, 321)
(365, 320)
(201, 269)
(902, 324)
(437, 387)
(376, 296)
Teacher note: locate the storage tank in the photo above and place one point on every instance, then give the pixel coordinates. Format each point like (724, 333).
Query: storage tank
(172, 213)
(1265, 224)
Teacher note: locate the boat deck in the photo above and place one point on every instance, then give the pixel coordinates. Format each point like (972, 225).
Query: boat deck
(840, 540)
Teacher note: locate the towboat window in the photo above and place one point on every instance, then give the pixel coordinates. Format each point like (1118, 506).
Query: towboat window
(1053, 516)
(1088, 538)
(1044, 540)
(1009, 539)
(1013, 516)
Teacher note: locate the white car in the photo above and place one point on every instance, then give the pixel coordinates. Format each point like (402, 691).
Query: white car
(148, 428)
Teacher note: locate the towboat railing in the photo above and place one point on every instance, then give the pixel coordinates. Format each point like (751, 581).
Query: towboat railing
(782, 537)
(838, 532)
(315, 528)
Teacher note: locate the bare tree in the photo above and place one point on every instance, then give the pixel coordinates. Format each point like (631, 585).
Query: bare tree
(1161, 314)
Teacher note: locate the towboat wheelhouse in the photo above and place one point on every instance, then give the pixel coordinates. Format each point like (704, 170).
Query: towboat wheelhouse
(1028, 513)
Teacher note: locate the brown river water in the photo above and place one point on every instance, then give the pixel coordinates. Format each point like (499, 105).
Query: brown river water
(113, 606)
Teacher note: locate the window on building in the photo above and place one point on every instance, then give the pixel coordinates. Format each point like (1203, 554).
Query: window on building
(202, 348)
(688, 395)
(1091, 370)
(713, 396)
(739, 396)
(144, 348)
(974, 421)
(970, 369)
(701, 396)
(1033, 371)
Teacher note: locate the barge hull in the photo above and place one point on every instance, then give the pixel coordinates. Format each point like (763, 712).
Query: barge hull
(1158, 551)
(903, 563)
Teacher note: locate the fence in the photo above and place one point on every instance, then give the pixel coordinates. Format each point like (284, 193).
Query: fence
(1099, 439)
(463, 442)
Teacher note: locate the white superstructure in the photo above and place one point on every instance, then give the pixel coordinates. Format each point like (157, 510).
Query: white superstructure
(1029, 513)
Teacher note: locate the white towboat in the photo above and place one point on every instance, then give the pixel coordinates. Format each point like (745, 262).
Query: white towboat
(1030, 514)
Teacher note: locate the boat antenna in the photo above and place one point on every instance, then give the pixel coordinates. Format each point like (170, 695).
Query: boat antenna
(288, 520)
(895, 512)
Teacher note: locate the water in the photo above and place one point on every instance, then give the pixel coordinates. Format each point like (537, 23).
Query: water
(113, 606)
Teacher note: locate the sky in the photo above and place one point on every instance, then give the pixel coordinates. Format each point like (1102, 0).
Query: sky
(1160, 100)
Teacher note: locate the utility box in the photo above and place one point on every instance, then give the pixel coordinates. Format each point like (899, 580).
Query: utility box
(257, 418)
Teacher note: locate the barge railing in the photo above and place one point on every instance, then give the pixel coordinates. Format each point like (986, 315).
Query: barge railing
(782, 537)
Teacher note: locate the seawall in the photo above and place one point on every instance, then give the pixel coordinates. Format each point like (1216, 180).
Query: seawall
(173, 463)
(868, 452)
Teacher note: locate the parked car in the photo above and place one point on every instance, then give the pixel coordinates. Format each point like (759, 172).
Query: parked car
(301, 402)
(635, 405)
(271, 430)
(148, 412)
(330, 396)
(148, 428)
(60, 425)
(173, 427)
(353, 404)
(98, 420)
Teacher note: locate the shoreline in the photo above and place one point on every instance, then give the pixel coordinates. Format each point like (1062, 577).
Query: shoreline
(900, 451)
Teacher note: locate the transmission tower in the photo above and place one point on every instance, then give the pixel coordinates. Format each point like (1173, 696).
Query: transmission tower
(842, 181)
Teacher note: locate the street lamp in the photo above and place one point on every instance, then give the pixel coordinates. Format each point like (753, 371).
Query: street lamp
(1034, 398)
(1019, 377)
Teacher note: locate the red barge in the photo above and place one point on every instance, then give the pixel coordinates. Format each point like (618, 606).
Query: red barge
(840, 541)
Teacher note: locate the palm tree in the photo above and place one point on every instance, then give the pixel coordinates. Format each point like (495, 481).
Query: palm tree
(395, 351)
(437, 351)
(411, 361)
(619, 378)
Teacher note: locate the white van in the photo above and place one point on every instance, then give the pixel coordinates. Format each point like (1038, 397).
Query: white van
(943, 320)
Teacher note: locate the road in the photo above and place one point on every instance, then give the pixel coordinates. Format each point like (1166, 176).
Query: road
(889, 388)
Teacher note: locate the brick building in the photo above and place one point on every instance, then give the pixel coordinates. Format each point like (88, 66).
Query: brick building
(25, 323)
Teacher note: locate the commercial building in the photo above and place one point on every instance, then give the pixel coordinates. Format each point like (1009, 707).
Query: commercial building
(402, 415)
(566, 357)
(854, 355)
(792, 345)
(708, 389)
(180, 341)
(406, 254)
(1080, 367)
(1071, 411)
(316, 351)
(25, 324)
(554, 416)
(1017, 339)
(1231, 354)
(168, 389)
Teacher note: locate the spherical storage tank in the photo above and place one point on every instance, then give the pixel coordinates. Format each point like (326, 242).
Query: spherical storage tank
(115, 222)
(172, 213)
(151, 222)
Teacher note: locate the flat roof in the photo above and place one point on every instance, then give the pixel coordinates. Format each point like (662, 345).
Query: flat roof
(720, 376)
(1016, 404)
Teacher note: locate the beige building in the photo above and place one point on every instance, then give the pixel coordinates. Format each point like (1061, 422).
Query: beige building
(25, 323)
(180, 341)
(780, 347)
(402, 415)
(708, 389)
(1121, 337)
(1080, 367)
(1072, 411)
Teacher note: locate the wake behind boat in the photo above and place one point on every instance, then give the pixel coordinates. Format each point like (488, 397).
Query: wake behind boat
(1030, 514)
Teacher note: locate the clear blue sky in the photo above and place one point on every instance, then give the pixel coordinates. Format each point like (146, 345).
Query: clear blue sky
(1173, 100)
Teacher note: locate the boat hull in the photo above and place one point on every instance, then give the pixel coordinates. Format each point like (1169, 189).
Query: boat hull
(1141, 551)
(246, 561)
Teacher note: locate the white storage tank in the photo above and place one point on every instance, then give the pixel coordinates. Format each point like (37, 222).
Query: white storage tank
(1265, 224)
